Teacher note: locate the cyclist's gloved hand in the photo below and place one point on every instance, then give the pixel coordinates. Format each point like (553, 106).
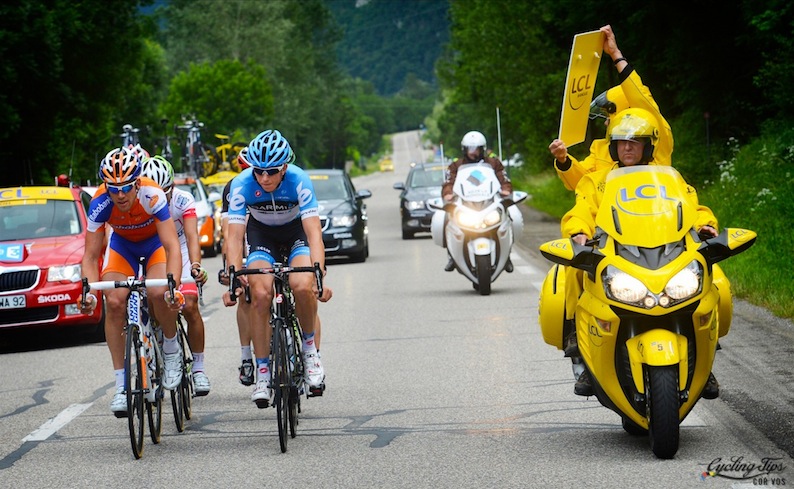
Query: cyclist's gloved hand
(199, 274)
(177, 302)
(223, 277)
(89, 305)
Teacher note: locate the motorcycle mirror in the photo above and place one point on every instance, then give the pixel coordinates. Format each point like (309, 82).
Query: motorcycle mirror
(567, 252)
(731, 241)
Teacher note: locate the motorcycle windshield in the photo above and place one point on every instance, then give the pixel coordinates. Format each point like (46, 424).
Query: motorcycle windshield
(476, 182)
(646, 206)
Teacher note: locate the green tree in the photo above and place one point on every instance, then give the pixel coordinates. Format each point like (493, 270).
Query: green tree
(228, 96)
(67, 70)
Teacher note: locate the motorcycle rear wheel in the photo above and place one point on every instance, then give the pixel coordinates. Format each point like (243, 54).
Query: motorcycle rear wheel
(661, 389)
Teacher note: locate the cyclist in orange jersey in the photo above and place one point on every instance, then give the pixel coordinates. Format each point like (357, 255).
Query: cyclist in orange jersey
(136, 210)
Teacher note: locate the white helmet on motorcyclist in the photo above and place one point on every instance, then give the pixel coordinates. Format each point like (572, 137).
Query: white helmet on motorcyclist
(634, 125)
(473, 140)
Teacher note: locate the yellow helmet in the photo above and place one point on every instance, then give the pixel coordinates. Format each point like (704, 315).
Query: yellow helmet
(609, 103)
(635, 125)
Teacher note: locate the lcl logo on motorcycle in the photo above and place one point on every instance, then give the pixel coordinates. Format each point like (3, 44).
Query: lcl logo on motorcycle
(647, 191)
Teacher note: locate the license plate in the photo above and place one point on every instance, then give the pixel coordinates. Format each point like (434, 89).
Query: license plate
(12, 302)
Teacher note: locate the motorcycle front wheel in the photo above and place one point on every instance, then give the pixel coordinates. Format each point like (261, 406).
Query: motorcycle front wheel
(661, 387)
(483, 264)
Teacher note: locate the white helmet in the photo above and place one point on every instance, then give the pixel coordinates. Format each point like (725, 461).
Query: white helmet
(473, 139)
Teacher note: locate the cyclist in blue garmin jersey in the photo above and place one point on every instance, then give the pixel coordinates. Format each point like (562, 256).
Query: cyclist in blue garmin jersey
(284, 219)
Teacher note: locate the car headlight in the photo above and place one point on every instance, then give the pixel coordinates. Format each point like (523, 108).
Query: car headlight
(413, 205)
(685, 283)
(622, 287)
(72, 273)
(343, 221)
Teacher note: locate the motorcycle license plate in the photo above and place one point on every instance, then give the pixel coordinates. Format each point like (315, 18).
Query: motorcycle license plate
(482, 246)
(12, 302)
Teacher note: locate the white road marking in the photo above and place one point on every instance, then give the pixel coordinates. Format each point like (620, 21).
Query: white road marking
(54, 424)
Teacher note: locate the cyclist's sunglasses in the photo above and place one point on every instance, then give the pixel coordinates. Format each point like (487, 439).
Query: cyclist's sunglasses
(126, 188)
(268, 171)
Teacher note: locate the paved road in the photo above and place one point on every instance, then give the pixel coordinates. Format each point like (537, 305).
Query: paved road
(429, 385)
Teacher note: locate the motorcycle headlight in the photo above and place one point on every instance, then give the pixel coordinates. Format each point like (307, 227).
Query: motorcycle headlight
(413, 205)
(72, 273)
(467, 219)
(345, 221)
(493, 217)
(622, 287)
(685, 283)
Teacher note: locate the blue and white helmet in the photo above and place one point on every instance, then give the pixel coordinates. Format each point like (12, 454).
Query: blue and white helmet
(269, 149)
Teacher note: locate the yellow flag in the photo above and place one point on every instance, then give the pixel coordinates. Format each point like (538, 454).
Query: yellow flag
(579, 86)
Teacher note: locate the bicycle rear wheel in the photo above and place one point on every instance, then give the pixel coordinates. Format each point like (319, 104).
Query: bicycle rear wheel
(154, 410)
(133, 384)
(177, 401)
(186, 386)
(281, 381)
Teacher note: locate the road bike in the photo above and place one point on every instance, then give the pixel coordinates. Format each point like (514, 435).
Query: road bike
(129, 136)
(286, 358)
(164, 146)
(195, 154)
(143, 358)
(182, 396)
(226, 153)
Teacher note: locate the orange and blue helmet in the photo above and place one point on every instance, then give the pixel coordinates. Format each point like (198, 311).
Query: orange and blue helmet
(120, 166)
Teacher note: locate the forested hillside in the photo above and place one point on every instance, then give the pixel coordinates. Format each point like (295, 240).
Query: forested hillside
(385, 41)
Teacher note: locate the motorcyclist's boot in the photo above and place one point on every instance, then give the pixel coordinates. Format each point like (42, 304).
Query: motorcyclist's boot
(450, 265)
(584, 385)
(571, 347)
(712, 389)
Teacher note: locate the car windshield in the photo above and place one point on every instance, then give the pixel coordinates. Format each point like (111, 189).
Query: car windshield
(327, 187)
(38, 219)
(426, 178)
(191, 188)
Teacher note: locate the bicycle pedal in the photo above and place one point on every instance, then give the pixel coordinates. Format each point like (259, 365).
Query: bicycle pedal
(262, 403)
(120, 414)
(316, 391)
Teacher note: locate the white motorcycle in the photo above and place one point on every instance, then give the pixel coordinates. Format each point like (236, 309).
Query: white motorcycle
(481, 226)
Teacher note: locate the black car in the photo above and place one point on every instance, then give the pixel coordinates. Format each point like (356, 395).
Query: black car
(343, 214)
(423, 183)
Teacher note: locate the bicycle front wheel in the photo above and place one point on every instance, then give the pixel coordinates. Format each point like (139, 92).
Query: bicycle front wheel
(281, 380)
(154, 409)
(133, 385)
(177, 401)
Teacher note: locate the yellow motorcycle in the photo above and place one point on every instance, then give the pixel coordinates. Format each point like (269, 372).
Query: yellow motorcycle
(650, 314)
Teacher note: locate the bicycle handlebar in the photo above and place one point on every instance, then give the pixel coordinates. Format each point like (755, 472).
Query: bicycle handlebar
(279, 270)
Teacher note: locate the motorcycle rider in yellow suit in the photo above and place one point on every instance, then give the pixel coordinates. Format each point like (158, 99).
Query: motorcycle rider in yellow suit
(632, 141)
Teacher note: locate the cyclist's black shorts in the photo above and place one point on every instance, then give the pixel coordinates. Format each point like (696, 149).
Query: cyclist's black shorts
(272, 243)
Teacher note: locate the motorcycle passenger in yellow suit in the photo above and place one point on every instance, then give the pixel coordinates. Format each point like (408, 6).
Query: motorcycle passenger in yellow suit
(630, 93)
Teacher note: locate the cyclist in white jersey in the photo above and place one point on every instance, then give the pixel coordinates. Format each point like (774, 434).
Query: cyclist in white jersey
(284, 220)
(182, 206)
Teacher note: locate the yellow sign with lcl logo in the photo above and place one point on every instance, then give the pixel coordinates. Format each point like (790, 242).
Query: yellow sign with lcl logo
(579, 86)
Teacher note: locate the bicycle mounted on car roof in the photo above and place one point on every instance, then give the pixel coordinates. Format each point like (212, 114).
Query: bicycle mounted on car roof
(195, 154)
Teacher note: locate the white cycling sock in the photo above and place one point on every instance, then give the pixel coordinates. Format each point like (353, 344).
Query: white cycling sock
(245, 353)
(119, 378)
(170, 345)
(198, 362)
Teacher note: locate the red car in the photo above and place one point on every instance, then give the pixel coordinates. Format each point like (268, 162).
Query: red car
(42, 241)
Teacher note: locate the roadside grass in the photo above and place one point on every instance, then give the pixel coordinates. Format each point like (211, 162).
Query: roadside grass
(754, 190)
